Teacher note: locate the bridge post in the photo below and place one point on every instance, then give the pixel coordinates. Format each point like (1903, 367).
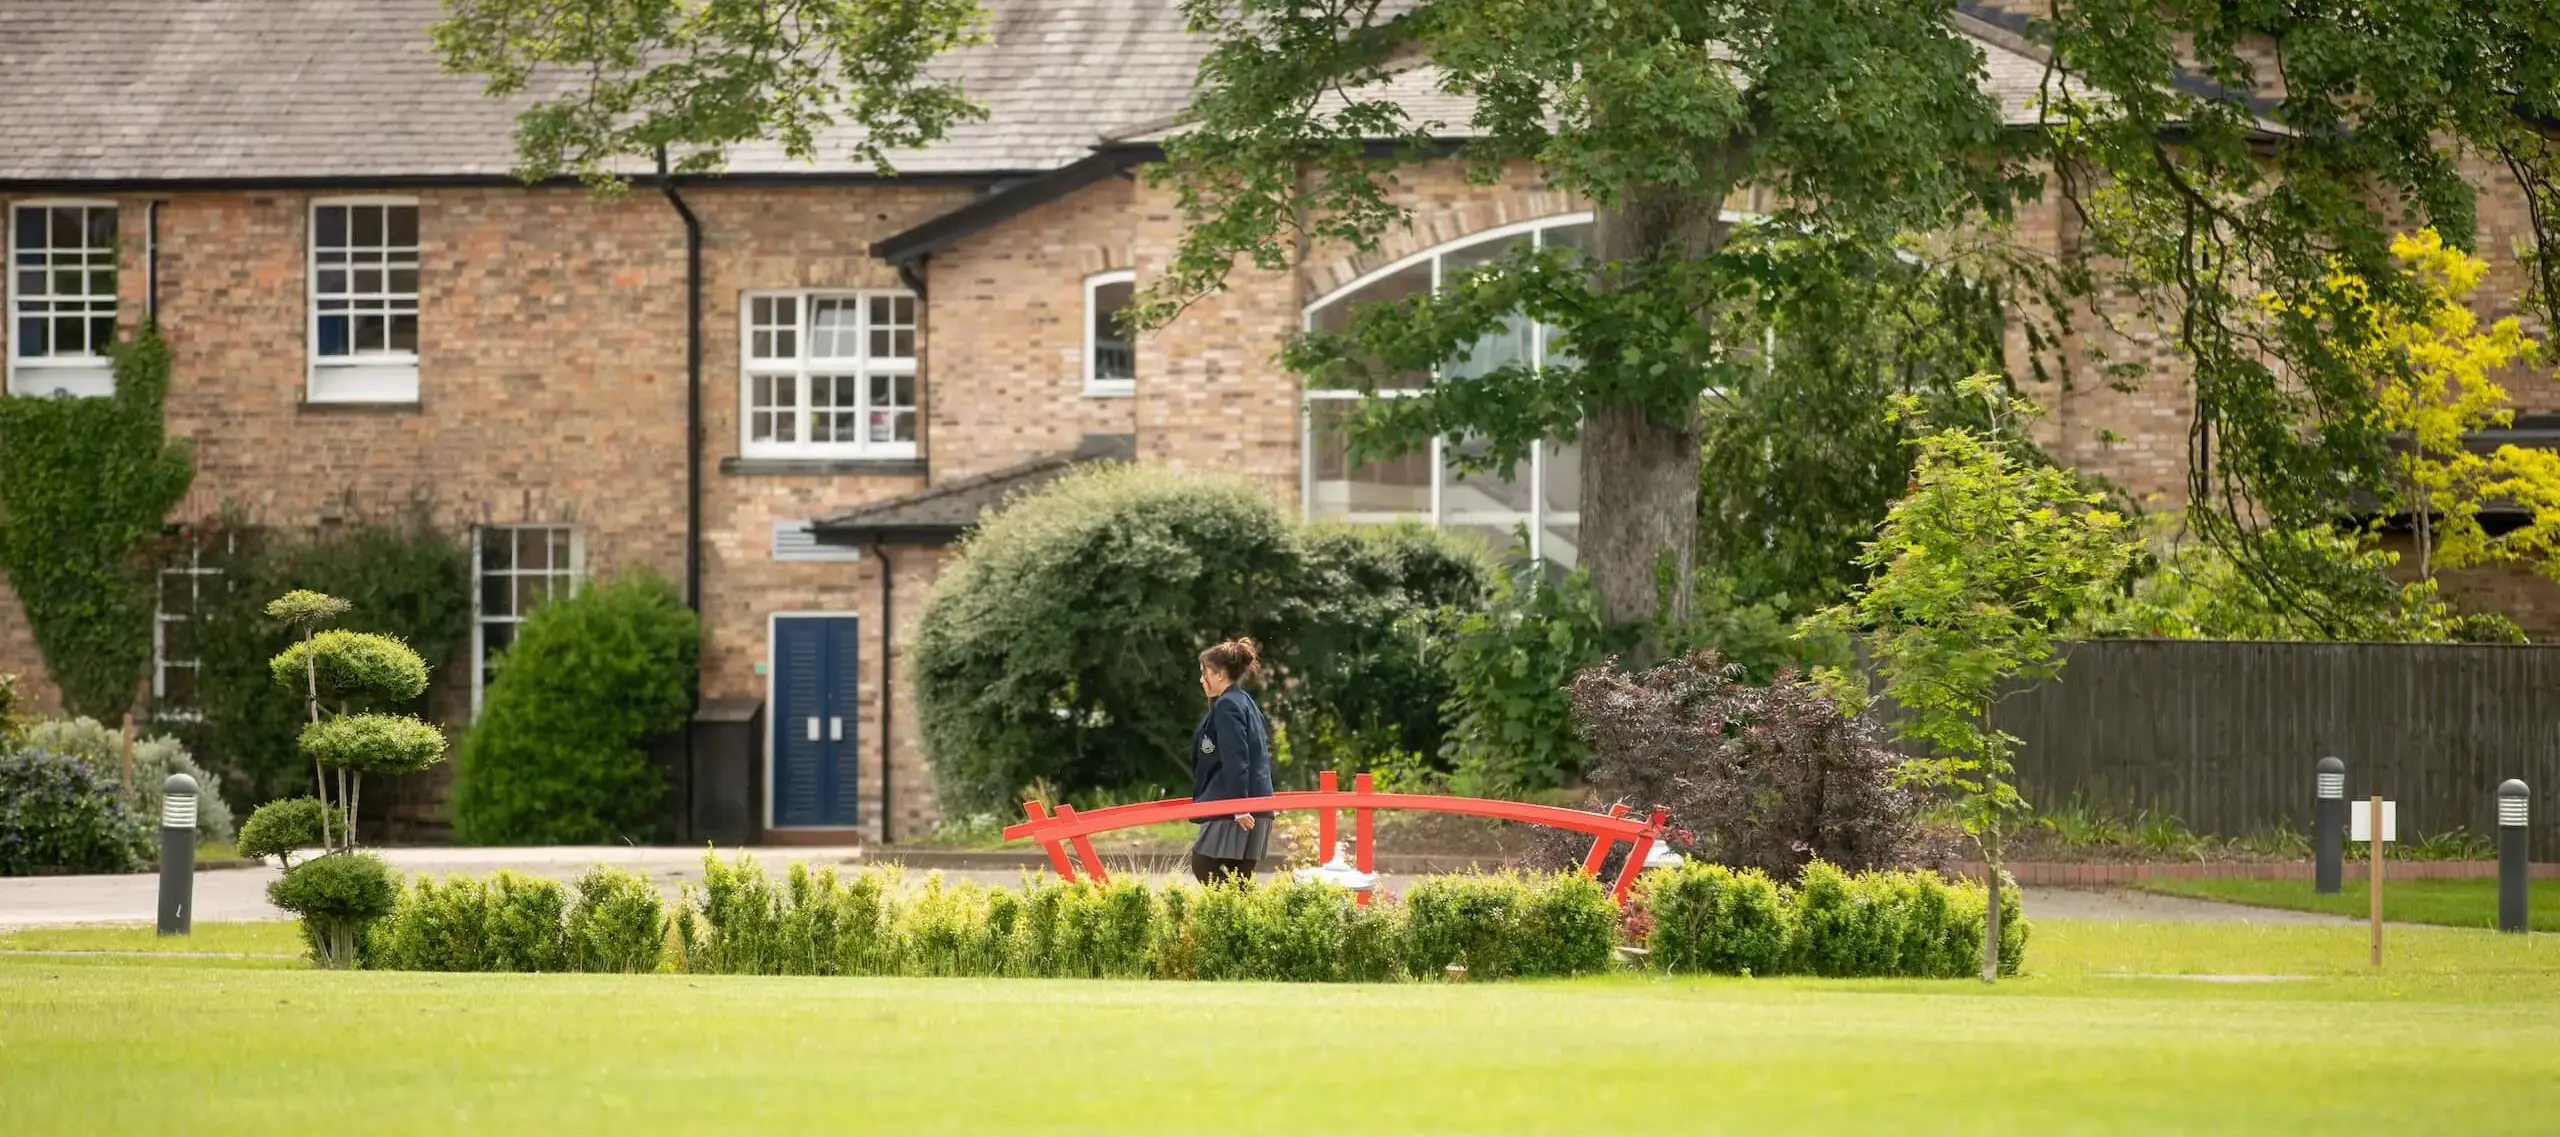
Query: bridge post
(1039, 811)
(1084, 849)
(1364, 830)
(1635, 857)
(1600, 845)
(1328, 819)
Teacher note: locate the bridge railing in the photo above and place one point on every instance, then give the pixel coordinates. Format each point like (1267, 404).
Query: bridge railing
(1066, 834)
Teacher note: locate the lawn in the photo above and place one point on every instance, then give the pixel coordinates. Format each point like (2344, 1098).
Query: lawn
(2460, 1035)
(2455, 903)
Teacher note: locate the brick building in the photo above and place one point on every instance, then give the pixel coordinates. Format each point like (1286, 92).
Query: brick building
(365, 308)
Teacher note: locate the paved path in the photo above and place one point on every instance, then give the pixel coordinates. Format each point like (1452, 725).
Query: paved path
(241, 894)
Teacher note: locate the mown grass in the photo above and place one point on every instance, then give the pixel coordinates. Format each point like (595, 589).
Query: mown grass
(2453, 903)
(2459, 1034)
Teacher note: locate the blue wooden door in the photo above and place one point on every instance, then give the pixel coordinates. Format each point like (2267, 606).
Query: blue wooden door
(816, 700)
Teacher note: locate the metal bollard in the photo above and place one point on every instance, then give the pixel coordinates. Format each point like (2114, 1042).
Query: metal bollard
(177, 854)
(2513, 804)
(2329, 824)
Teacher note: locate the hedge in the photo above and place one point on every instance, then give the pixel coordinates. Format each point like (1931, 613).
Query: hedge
(740, 921)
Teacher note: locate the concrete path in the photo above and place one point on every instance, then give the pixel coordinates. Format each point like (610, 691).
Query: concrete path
(241, 894)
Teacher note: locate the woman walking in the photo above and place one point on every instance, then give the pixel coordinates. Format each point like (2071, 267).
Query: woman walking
(1230, 760)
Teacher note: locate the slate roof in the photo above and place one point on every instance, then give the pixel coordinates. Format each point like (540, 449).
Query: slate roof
(273, 90)
(284, 90)
(943, 512)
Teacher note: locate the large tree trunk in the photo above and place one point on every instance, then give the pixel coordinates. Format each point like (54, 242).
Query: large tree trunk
(1640, 472)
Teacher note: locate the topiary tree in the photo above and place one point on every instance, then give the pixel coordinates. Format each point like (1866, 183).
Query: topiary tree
(284, 827)
(154, 759)
(352, 670)
(338, 899)
(560, 755)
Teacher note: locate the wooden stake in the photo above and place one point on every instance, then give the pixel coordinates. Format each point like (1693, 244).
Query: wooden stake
(2376, 882)
(128, 751)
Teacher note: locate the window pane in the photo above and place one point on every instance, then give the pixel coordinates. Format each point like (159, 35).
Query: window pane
(532, 592)
(33, 337)
(1398, 486)
(496, 635)
(835, 406)
(497, 596)
(404, 333)
(332, 224)
(1561, 491)
(1484, 497)
(102, 332)
(404, 225)
(1114, 360)
(178, 685)
(30, 230)
(1502, 540)
(373, 333)
(1576, 236)
(893, 321)
(833, 329)
(368, 225)
(1561, 544)
(102, 230)
(177, 638)
(893, 400)
(497, 550)
(404, 281)
(533, 554)
(333, 335)
(1411, 280)
(560, 561)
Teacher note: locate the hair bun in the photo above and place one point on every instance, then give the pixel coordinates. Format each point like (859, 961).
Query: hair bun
(1252, 650)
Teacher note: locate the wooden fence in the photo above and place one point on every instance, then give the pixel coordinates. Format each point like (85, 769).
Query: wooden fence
(2223, 735)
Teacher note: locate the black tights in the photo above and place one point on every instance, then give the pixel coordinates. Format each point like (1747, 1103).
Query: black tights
(1210, 870)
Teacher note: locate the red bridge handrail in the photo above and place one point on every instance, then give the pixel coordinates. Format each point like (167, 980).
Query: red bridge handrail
(1068, 829)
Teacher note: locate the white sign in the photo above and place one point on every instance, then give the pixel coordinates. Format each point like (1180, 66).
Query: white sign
(2360, 821)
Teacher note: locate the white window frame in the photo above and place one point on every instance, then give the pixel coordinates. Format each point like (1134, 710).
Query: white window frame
(1094, 385)
(1538, 516)
(195, 571)
(374, 377)
(480, 619)
(863, 367)
(87, 376)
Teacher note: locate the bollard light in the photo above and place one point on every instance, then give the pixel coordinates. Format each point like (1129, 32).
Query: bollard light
(177, 855)
(2514, 801)
(2328, 824)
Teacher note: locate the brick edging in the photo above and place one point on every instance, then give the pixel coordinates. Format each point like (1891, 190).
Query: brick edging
(2065, 874)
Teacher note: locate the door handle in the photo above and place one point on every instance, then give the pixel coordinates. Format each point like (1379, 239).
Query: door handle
(813, 728)
(835, 729)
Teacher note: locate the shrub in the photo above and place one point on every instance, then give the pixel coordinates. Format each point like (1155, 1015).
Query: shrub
(154, 758)
(339, 899)
(1062, 645)
(525, 923)
(1761, 777)
(618, 924)
(1710, 918)
(559, 753)
(401, 576)
(58, 813)
(1508, 924)
(284, 827)
(1512, 665)
(1844, 927)
(437, 926)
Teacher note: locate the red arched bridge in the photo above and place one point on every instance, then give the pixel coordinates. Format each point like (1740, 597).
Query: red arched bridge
(1066, 833)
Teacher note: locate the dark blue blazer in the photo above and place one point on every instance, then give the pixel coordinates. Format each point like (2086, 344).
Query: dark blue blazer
(1231, 750)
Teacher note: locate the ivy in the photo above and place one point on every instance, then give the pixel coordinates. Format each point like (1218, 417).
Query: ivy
(400, 575)
(84, 487)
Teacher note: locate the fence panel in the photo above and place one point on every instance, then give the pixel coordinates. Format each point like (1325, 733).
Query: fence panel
(2223, 735)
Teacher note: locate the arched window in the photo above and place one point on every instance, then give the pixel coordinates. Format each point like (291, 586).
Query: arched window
(1544, 493)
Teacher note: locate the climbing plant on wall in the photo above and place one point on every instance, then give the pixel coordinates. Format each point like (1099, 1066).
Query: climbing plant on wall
(84, 485)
